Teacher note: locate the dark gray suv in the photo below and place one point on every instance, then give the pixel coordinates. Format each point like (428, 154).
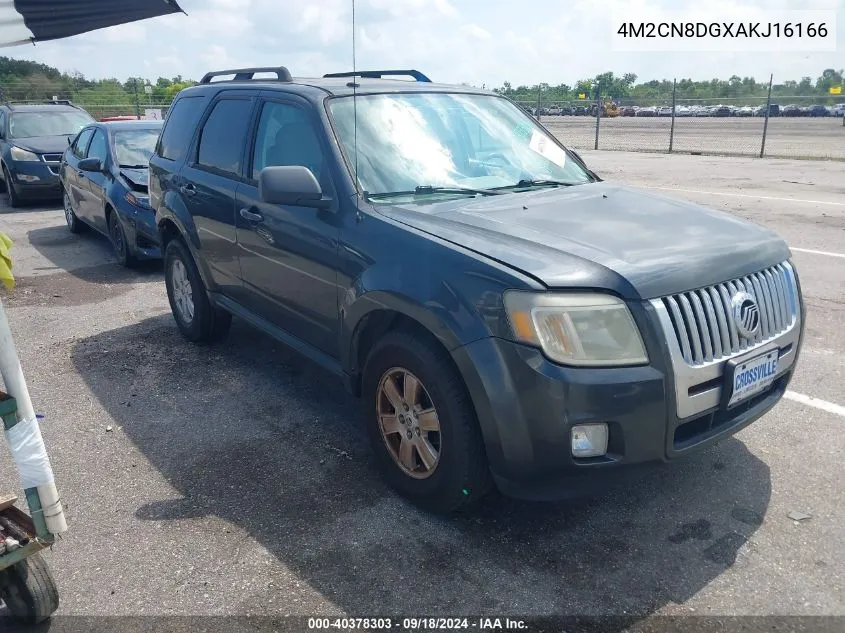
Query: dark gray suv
(508, 318)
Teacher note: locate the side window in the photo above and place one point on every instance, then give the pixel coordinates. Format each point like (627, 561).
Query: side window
(223, 136)
(81, 143)
(286, 137)
(2, 125)
(99, 147)
(182, 119)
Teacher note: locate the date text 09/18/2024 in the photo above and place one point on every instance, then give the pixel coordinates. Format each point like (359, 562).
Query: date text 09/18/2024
(410, 624)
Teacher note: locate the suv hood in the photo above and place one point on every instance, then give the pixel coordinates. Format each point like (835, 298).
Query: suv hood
(44, 144)
(602, 235)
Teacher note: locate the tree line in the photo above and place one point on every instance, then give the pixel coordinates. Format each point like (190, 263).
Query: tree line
(625, 88)
(26, 80)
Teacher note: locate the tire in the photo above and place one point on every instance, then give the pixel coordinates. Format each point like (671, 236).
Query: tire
(74, 224)
(14, 198)
(203, 322)
(29, 591)
(118, 240)
(460, 475)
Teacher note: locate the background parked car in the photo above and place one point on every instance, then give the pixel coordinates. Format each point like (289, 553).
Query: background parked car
(628, 111)
(838, 110)
(32, 139)
(104, 175)
(818, 110)
(649, 111)
(791, 110)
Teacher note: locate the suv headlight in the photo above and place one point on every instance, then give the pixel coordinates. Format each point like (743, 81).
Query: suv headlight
(576, 329)
(22, 154)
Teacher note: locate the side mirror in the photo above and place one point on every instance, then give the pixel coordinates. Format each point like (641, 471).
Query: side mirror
(291, 184)
(90, 164)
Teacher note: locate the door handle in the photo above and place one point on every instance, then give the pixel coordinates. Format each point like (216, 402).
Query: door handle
(246, 214)
(188, 190)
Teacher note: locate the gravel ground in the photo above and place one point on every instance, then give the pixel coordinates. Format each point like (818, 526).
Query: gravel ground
(235, 480)
(819, 138)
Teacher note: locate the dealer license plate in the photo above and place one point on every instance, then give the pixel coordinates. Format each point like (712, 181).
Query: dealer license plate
(752, 376)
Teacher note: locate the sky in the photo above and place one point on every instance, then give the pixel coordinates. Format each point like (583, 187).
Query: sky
(480, 42)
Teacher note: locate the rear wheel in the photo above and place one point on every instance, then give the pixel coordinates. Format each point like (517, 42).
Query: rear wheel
(29, 591)
(197, 318)
(74, 224)
(422, 424)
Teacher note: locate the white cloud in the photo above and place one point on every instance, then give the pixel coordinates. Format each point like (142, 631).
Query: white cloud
(473, 30)
(477, 41)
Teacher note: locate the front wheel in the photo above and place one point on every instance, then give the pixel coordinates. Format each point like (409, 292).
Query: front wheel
(29, 591)
(196, 317)
(118, 240)
(422, 424)
(14, 198)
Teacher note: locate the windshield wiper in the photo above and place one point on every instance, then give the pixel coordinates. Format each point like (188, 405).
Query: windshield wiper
(133, 166)
(523, 184)
(429, 189)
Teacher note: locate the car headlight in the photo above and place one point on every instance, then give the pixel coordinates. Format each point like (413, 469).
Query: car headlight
(576, 329)
(139, 200)
(22, 154)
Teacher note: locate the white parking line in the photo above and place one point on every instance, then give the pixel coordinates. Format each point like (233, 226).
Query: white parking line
(824, 405)
(807, 250)
(746, 195)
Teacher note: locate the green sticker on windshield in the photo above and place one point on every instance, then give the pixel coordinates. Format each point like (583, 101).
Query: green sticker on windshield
(523, 131)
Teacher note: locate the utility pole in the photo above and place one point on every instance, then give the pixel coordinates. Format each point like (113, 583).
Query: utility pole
(766, 122)
(137, 102)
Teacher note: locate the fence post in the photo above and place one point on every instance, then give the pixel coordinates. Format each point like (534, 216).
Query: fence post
(539, 90)
(672, 127)
(137, 102)
(766, 121)
(598, 114)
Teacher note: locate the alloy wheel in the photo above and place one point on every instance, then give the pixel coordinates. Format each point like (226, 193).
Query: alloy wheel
(409, 424)
(183, 294)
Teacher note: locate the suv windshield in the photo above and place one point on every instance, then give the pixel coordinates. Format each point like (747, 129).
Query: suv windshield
(424, 141)
(29, 124)
(133, 148)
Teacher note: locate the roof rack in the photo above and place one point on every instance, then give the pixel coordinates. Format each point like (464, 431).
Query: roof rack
(378, 74)
(64, 102)
(246, 74)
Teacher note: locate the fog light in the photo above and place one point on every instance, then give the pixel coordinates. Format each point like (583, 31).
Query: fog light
(589, 440)
(28, 178)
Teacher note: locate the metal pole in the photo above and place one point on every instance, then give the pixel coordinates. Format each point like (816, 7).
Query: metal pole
(766, 121)
(137, 102)
(672, 127)
(598, 114)
(539, 90)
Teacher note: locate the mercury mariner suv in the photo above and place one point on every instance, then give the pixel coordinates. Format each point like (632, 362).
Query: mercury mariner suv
(508, 318)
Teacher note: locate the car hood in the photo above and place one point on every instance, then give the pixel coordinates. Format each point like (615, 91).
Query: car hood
(602, 235)
(44, 144)
(137, 178)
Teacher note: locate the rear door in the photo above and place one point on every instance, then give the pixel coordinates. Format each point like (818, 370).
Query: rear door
(288, 253)
(210, 180)
(71, 176)
(92, 183)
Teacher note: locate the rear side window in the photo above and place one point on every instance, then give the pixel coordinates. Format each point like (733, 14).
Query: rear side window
(179, 128)
(223, 136)
(81, 143)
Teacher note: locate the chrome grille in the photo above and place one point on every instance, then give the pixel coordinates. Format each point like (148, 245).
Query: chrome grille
(703, 319)
(51, 158)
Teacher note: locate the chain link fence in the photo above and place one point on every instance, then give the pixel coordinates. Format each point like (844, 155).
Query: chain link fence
(796, 127)
(101, 103)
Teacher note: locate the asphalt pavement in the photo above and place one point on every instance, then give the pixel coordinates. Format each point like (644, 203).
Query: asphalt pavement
(235, 479)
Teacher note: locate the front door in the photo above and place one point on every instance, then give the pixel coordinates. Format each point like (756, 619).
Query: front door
(71, 176)
(289, 253)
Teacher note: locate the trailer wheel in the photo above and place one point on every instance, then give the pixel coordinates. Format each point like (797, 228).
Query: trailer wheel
(29, 591)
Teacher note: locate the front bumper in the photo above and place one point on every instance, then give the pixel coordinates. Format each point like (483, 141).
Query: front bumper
(34, 179)
(141, 230)
(527, 405)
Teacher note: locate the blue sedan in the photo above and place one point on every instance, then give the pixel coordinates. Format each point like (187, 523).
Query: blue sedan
(104, 176)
